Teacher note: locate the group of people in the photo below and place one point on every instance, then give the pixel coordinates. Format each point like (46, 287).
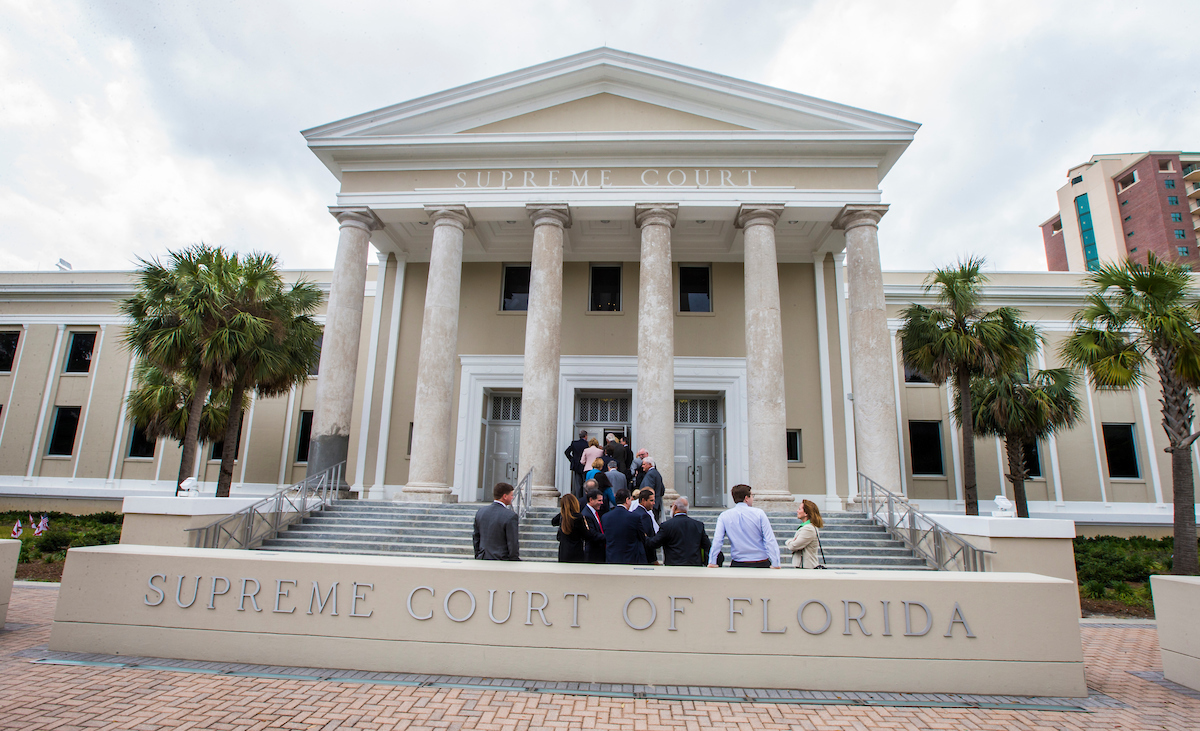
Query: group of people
(612, 467)
(628, 532)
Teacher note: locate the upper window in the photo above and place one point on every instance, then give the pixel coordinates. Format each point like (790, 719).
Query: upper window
(1164, 166)
(1177, 217)
(305, 436)
(695, 289)
(79, 354)
(1120, 450)
(795, 448)
(605, 288)
(316, 364)
(8, 349)
(925, 442)
(140, 445)
(1033, 460)
(62, 436)
(1127, 181)
(515, 297)
(1169, 183)
(1179, 233)
(1076, 180)
(1172, 200)
(1183, 250)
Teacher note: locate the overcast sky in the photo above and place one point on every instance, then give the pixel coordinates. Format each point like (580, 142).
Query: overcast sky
(131, 128)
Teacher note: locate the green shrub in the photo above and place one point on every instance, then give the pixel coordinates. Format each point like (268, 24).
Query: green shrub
(65, 531)
(1093, 589)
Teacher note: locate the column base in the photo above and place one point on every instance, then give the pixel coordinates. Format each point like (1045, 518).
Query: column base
(833, 504)
(417, 492)
(775, 502)
(669, 497)
(544, 496)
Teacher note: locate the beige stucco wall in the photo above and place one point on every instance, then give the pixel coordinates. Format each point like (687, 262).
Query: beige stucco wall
(1175, 602)
(112, 602)
(162, 530)
(10, 551)
(72, 506)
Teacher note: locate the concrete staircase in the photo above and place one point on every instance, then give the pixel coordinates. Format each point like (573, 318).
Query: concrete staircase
(851, 540)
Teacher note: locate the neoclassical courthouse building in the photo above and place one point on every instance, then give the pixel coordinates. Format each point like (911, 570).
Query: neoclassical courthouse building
(609, 243)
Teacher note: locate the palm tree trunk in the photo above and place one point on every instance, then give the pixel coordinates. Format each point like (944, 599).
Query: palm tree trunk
(233, 429)
(1177, 423)
(970, 491)
(1016, 474)
(187, 460)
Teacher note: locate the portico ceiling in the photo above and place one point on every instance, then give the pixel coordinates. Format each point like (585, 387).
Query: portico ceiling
(602, 131)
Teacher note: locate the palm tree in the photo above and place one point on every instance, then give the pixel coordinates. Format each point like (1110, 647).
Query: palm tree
(268, 346)
(158, 404)
(1138, 317)
(1021, 411)
(175, 312)
(956, 340)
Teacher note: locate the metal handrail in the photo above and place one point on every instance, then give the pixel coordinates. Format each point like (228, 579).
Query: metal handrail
(250, 526)
(940, 547)
(523, 496)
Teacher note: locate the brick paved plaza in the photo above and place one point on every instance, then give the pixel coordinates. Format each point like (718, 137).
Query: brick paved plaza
(55, 696)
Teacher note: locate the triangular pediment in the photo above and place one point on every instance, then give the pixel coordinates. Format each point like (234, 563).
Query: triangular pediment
(606, 90)
(604, 112)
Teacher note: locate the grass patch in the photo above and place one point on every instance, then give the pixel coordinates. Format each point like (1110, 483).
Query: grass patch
(1117, 571)
(65, 531)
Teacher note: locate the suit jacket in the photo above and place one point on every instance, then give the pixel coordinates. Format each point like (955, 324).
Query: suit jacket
(654, 480)
(624, 537)
(495, 534)
(648, 529)
(683, 540)
(574, 452)
(594, 548)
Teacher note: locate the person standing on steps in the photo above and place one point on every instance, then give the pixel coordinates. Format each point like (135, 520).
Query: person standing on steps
(574, 455)
(804, 544)
(592, 512)
(752, 542)
(684, 541)
(497, 528)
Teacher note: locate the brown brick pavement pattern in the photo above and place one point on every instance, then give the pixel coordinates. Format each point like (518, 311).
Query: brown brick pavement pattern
(38, 696)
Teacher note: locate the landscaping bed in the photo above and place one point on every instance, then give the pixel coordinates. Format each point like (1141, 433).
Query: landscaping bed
(42, 557)
(1114, 574)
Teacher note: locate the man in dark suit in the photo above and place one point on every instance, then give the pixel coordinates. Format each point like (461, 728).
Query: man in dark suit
(496, 527)
(624, 533)
(593, 549)
(574, 453)
(644, 500)
(653, 481)
(683, 540)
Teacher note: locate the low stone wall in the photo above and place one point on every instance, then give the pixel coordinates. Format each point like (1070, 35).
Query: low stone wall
(1038, 545)
(1176, 599)
(163, 521)
(10, 551)
(930, 632)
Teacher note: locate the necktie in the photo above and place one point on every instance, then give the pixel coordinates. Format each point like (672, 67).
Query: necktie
(598, 520)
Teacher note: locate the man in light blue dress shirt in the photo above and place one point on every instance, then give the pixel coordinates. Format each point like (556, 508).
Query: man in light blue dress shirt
(752, 542)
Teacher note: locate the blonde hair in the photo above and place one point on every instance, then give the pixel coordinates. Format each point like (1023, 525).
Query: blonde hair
(813, 513)
(569, 510)
(593, 443)
(597, 464)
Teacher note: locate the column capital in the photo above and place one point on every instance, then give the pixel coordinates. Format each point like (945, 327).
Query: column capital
(453, 215)
(356, 216)
(853, 216)
(554, 214)
(753, 214)
(663, 214)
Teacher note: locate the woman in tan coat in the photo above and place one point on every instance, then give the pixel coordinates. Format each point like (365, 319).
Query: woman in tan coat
(804, 544)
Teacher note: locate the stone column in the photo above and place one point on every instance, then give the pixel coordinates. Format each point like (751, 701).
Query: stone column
(543, 346)
(870, 348)
(765, 404)
(429, 477)
(339, 347)
(656, 341)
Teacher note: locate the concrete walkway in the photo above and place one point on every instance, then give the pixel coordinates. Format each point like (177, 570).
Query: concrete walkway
(44, 690)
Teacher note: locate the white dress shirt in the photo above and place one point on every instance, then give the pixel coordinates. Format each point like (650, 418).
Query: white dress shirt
(750, 535)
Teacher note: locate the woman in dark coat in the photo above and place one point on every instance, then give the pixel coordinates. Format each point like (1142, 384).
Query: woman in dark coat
(572, 530)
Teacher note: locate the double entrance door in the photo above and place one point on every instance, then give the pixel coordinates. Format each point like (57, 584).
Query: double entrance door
(700, 451)
(501, 444)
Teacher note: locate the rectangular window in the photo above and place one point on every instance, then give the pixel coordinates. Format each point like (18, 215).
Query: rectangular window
(605, 289)
(315, 368)
(1120, 450)
(1033, 459)
(1127, 181)
(1183, 250)
(219, 446)
(62, 437)
(1172, 200)
(1164, 166)
(8, 349)
(695, 289)
(1084, 212)
(1077, 180)
(515, 297)
(79, 353)
(1177, 218)
(1179, 233)
(795, 450)
(1129, 234)
(912, 376)
(925, 443)
(305, 436)
(1169, 183)
(140, 445)
(408, 451)
(1127, 218)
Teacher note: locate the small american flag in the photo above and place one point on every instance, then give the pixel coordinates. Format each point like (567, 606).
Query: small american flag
(42, 525)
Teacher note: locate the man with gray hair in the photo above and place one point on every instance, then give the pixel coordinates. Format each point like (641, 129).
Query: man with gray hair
(683, 539)
(652, 480)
